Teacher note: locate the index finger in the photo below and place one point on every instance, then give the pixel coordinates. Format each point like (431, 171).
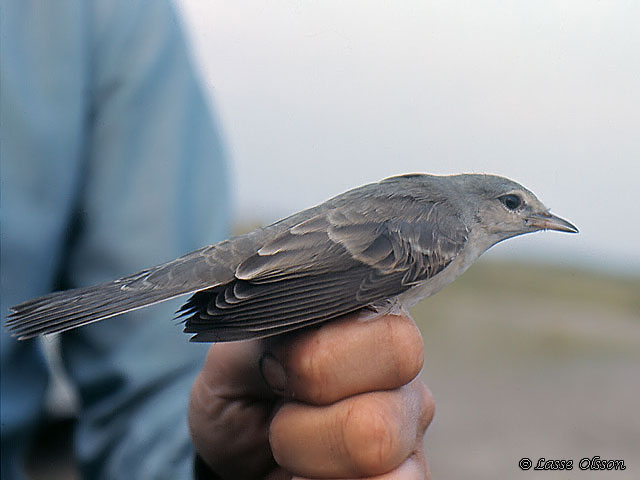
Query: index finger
(346, 357)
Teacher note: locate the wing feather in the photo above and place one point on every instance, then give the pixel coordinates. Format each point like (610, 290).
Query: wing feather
(335, 262)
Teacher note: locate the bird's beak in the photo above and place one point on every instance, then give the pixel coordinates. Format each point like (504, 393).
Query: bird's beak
(548, 221)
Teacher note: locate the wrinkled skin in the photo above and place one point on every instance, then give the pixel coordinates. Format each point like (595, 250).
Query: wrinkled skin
(338, 401)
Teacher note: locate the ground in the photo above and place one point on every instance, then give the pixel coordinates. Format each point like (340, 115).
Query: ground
(532, 361)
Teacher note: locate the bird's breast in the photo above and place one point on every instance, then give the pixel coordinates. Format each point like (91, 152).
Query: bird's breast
(433, 285)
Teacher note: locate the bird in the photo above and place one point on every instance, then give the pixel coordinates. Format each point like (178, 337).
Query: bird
(379, 247)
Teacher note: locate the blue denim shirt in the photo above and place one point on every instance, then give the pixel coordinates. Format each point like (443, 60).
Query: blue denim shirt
(111, 162)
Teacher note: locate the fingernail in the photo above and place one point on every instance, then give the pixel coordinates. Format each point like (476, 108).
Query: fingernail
(273, 373)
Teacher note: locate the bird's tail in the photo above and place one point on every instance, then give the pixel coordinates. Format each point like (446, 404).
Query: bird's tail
(65, 310)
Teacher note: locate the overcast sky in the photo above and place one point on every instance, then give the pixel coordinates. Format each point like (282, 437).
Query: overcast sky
(316, 97)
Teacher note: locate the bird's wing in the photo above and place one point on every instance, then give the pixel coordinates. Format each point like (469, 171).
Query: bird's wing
(338, 261)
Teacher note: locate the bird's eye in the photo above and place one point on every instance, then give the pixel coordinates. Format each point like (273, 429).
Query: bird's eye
(511, 201)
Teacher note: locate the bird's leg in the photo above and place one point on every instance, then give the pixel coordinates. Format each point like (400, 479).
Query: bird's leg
(383, 307)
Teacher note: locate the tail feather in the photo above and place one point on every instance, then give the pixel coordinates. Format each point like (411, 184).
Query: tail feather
(65, 310)
(60, 311)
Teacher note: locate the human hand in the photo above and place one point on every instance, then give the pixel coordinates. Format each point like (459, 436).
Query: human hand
(338, 401)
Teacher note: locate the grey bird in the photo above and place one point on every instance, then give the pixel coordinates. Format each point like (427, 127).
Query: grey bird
(380, 246)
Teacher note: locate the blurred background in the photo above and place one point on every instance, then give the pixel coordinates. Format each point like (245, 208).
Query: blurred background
(535, 352)
(320, 97)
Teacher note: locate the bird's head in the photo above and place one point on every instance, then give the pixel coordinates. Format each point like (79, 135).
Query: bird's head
(505, 209)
